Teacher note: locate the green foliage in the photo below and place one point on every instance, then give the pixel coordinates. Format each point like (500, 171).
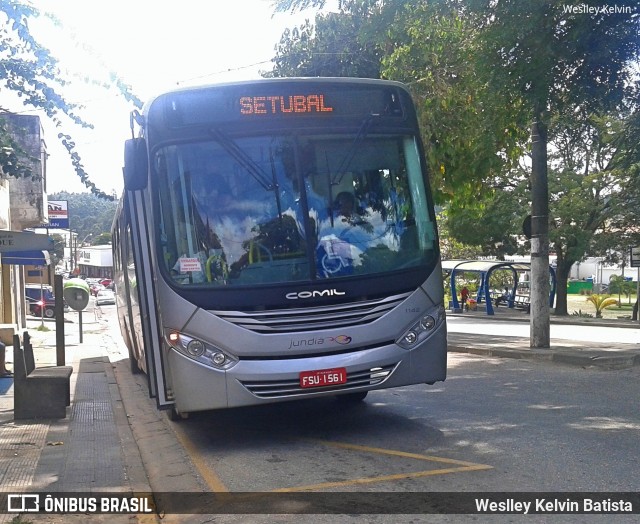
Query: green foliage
(102, 240)
(284, 6)
(557, 57)
(28, 69)
(620, 286)
(57, 254)
(601, 302)
(450, 247)
(89, 215)
(470, 132)
(335, 46)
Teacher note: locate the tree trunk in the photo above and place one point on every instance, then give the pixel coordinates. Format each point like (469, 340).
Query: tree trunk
(540, 335)
(562, 277)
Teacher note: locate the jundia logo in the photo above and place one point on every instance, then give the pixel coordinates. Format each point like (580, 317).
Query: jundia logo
(320, 341)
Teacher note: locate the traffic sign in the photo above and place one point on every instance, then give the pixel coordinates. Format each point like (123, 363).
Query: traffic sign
(12, 241)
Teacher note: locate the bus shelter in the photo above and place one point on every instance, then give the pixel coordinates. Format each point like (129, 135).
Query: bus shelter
(485, 270)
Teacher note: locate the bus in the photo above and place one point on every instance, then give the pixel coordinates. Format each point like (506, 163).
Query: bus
(276, 240)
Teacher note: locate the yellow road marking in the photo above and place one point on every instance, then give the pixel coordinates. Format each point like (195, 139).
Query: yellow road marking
(463, 466)
(217, 486)
(383, 451)
(208, 475)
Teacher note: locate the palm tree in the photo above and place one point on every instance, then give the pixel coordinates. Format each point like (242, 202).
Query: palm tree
(601, 302)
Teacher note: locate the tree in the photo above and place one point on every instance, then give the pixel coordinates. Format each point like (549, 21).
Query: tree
(592, 181)
(591, 203)
(337, 45)
(450, 247)
(88, 214)
(601, 302)
(620, 285)
(471, 134)
(28, 69)
(57, 254)
(102, 239)
(554, 57)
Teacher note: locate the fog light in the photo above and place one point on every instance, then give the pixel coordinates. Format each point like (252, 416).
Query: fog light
(427, 322)
(195, 348)
(411, 337)
(218, 358)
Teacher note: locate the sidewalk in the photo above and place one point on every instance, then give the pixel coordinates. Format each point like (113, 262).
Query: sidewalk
(93, 450)
(577, 353)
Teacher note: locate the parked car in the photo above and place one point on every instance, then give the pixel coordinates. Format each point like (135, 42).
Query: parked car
(105, 296)
(41, 297)
(36, 307)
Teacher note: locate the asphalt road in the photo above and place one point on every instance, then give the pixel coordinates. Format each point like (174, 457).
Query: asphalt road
(494, 425)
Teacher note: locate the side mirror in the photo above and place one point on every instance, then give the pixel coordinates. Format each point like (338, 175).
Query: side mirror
(76, 293)
(136, 164)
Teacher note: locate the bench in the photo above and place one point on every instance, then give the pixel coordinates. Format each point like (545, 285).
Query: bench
(522, 302)
(43, 392)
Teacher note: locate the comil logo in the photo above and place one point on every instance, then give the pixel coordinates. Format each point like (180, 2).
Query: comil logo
(314, 294)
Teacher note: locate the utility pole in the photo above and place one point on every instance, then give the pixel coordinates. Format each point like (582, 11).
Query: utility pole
(540, 333)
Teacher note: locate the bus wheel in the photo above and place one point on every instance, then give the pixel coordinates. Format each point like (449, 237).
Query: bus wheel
(175, 415)
(353, 397)
(133, 363)
(135, 369)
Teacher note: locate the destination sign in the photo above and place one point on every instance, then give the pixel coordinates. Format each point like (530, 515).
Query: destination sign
(263, 105)
(279, 101)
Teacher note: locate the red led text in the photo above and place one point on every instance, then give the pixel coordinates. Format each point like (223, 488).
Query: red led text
(271, 105)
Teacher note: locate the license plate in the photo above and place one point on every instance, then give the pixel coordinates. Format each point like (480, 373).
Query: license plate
(323, 377)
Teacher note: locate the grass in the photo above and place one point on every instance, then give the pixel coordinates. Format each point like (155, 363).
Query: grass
(578, 304)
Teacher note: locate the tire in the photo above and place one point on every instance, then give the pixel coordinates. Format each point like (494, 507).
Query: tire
(49, 312)
(133, 363)
(353, 397)
(175, 416)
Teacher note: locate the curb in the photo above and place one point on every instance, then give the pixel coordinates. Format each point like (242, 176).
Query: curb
(568, 320)
(605, 362)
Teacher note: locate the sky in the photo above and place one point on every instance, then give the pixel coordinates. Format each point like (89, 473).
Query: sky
(153, 45)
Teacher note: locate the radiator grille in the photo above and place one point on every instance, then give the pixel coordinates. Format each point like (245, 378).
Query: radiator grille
(313, 318)
(288, 388)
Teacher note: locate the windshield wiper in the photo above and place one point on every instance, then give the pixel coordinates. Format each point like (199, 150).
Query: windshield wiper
(348, 157)
(243, 159)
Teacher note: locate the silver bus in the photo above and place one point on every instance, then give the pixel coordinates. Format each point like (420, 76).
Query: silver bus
(276, 240)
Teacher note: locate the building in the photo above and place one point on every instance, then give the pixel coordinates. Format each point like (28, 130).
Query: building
(23, 205)
(95, 261)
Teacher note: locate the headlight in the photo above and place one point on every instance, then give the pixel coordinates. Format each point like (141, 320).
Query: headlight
(421, 329)
(199, 350)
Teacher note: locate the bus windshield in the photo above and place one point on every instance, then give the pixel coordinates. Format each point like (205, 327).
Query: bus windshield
(283, 208)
